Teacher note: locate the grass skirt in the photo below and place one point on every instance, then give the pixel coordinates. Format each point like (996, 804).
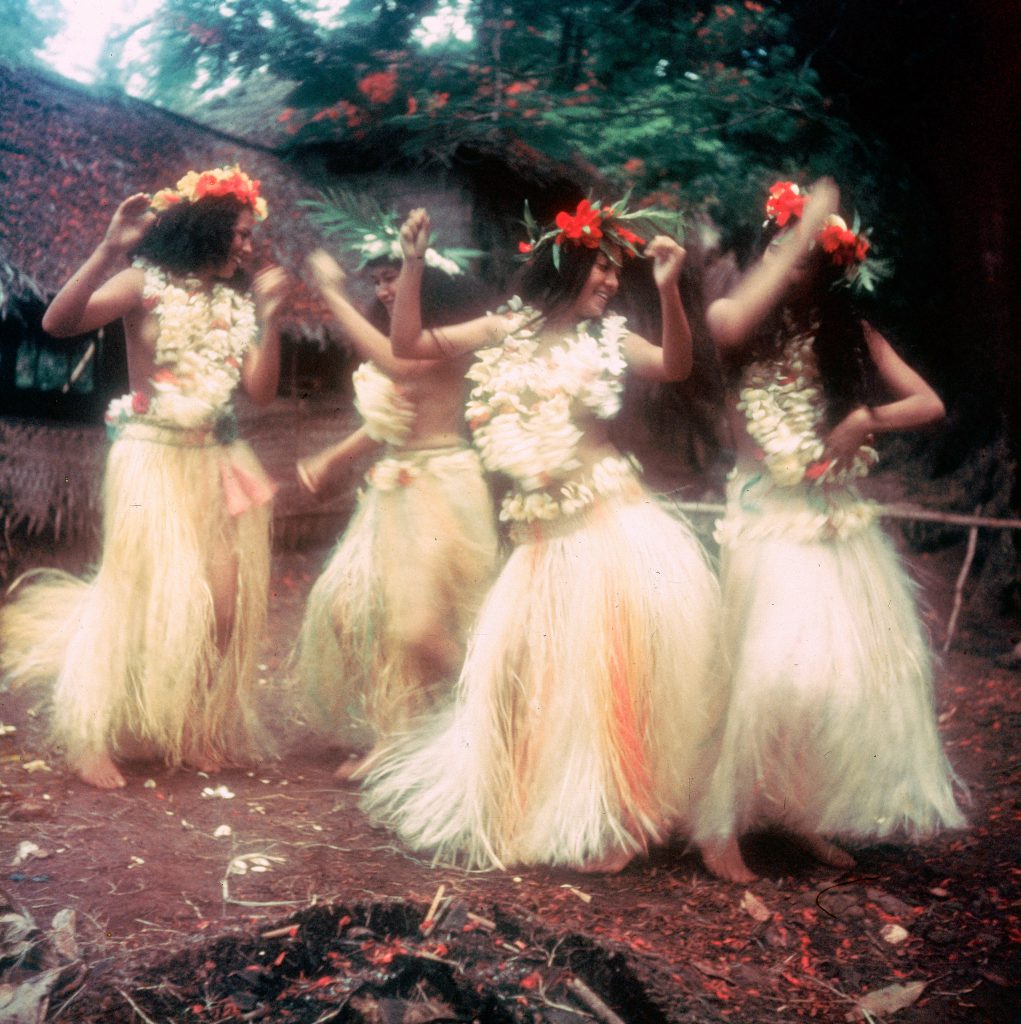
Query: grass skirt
(411, 569)
(133, 649)
(578, 725)
(831, 727)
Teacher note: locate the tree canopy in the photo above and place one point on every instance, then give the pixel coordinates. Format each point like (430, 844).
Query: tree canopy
(26, 27)
(691, 103)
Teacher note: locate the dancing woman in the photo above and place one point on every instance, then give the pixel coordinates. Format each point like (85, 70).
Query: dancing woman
(830, 730)
(384, 629)
(576, 733)
(155, 654)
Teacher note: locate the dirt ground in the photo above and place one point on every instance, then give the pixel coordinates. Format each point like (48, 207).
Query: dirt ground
(267, 895)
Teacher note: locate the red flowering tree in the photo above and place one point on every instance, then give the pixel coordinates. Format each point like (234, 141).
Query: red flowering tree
(698, 103)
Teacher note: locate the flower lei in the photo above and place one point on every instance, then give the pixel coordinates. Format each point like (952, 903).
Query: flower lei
(520, 410)
(203, 337)
(847, 247)
(388, 415)
(782, 401)
(372, 233)
(220, 181)
(613, 474)
(595, 226)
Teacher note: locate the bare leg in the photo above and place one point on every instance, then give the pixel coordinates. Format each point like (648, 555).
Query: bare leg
(824, 851)
(98, 769)
(723, 859)
(222, 575)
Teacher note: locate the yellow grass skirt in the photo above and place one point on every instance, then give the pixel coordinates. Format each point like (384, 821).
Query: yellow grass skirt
(133, 649)
(831, 727)
(412, 566)
(579, 721)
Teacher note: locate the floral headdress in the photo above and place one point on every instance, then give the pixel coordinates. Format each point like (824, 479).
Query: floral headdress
(847, 247)
(369, 232)
(220, 181)
(595, 226)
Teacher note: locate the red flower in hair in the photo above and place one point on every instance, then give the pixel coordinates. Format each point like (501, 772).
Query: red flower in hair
(785, 201)
(845, 248)
(626, 235)
(583, 227)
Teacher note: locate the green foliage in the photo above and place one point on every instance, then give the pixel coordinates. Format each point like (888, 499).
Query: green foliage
(699, 105)
(26, 27)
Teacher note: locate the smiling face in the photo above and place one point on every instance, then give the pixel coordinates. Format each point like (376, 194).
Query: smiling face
(240, 246)
(384, 281)
(599, 288)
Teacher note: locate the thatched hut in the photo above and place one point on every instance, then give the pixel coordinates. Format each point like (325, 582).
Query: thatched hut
(69, 155)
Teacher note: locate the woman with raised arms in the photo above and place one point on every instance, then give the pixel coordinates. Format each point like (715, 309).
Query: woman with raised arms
(155, 655)
(577, 730)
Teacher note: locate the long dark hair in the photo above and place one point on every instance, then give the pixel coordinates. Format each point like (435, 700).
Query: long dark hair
(848, 375)
(550, 290)
(192, 237)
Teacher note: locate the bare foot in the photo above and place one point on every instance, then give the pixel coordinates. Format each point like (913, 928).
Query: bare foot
(826, 852)
(611, 864)
(203, 763)
(352, 769)
(99, 770)
(723, 859)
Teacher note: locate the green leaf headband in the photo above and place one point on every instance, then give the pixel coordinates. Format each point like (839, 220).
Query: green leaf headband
(595, 226)
(367, 230)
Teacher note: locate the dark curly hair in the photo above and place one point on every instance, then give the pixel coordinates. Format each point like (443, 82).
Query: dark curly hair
(192, 237)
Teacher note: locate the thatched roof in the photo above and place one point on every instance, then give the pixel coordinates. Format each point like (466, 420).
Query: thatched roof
(69, 154)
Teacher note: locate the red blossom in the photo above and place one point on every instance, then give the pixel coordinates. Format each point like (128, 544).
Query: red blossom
(845, 248)
(785, 201)
(583, 227)
(379, 87)
(139, 403)
(627, 235)
(524, 247)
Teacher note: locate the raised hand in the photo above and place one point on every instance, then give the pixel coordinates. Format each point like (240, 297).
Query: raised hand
(667, 259)
(823, 200)
(130, 223)
(415, 235)
(327, 273)
(269, 289)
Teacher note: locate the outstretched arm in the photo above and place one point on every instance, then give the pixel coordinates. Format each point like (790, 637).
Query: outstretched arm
(734, 320)
(368, 342)
(317, 472)
(914, 404)
(260, 374)
(407, 338)
(97, 294)
(673, 360)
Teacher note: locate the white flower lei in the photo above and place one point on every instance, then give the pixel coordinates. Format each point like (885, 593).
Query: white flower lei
(388, 415)
(613, 474)
(784, 408)
(202, 340)
(520, 408)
